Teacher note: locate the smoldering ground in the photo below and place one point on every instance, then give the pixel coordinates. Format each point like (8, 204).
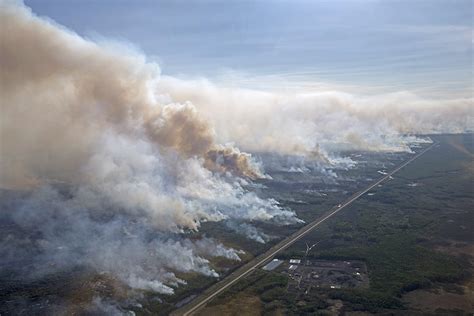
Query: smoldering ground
(109, 166)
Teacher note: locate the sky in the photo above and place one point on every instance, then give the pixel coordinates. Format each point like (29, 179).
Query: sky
(422, 46)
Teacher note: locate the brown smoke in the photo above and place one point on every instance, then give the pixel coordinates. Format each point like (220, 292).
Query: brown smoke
(181, 128)
(108, 157)
(60, 93)
(224, 159)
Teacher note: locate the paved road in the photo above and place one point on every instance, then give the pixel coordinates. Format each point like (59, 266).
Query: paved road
(246, 269)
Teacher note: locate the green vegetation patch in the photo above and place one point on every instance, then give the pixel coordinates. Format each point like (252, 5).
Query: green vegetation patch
(396, 265)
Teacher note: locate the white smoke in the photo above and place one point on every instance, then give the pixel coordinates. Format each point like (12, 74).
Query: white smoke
(249, 231)
(317, 124)
(114, 173)
(60, 93)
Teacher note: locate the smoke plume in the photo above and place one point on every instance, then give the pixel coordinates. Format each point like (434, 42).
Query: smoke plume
(111, 173)
(319, 124)
(109, 165)
(60, 92)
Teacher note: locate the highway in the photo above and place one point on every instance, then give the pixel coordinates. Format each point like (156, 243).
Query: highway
(246, 269)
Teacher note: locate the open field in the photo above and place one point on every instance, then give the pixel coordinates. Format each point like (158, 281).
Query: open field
(313, 275)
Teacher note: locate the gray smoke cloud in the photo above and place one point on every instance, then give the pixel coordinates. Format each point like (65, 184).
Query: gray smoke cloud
(60, 92)
(99, 170)
(249, 231)
(78, 113)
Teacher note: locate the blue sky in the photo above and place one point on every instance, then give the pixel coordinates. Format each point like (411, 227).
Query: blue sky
(422, 46)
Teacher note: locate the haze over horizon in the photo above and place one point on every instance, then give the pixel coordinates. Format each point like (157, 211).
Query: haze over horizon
(364, 47)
